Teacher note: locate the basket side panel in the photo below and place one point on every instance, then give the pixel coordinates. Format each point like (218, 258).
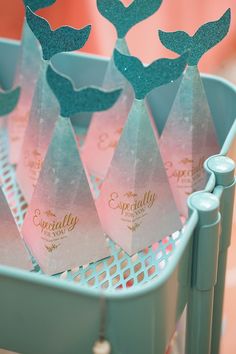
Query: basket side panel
(147, 324)
(39, 318)
(36, 319)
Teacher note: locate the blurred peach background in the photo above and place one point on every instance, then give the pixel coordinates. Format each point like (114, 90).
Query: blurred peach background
(143, 40)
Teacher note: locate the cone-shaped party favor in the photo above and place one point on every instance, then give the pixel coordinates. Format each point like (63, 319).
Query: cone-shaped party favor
(106, 127)
(136, 205)
(12, 250)
(113, 77)
(45, 108)
(62, 227)
(190, 130)
(190, 134)
(26, 76)
(43, 115)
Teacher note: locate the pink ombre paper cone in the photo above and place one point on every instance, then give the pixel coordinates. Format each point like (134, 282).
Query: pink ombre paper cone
(12, 250)
(188, 139)
(106, 127)
(62, 227)
(136, 205)
(42, 118)
(26, 76)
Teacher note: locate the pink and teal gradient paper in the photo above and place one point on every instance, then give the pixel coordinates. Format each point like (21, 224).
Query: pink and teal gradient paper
(45, 108)
(43, 116)
(189, 136)
(26, 77)
(106, 127)
(12, 250)
(188, 139)
(136, 205)
(61, 227)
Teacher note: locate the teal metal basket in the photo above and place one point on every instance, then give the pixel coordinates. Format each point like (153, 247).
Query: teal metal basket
(146, 294)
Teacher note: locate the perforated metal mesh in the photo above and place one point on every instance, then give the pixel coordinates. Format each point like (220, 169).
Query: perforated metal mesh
(116, 272)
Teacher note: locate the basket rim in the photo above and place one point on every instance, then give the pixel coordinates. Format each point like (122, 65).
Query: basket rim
(133, 292)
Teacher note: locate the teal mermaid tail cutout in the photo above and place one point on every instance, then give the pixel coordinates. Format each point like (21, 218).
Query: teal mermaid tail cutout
(64, 39)
(124, 18)
(204, 39)
(90, 99)
(145, 79)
